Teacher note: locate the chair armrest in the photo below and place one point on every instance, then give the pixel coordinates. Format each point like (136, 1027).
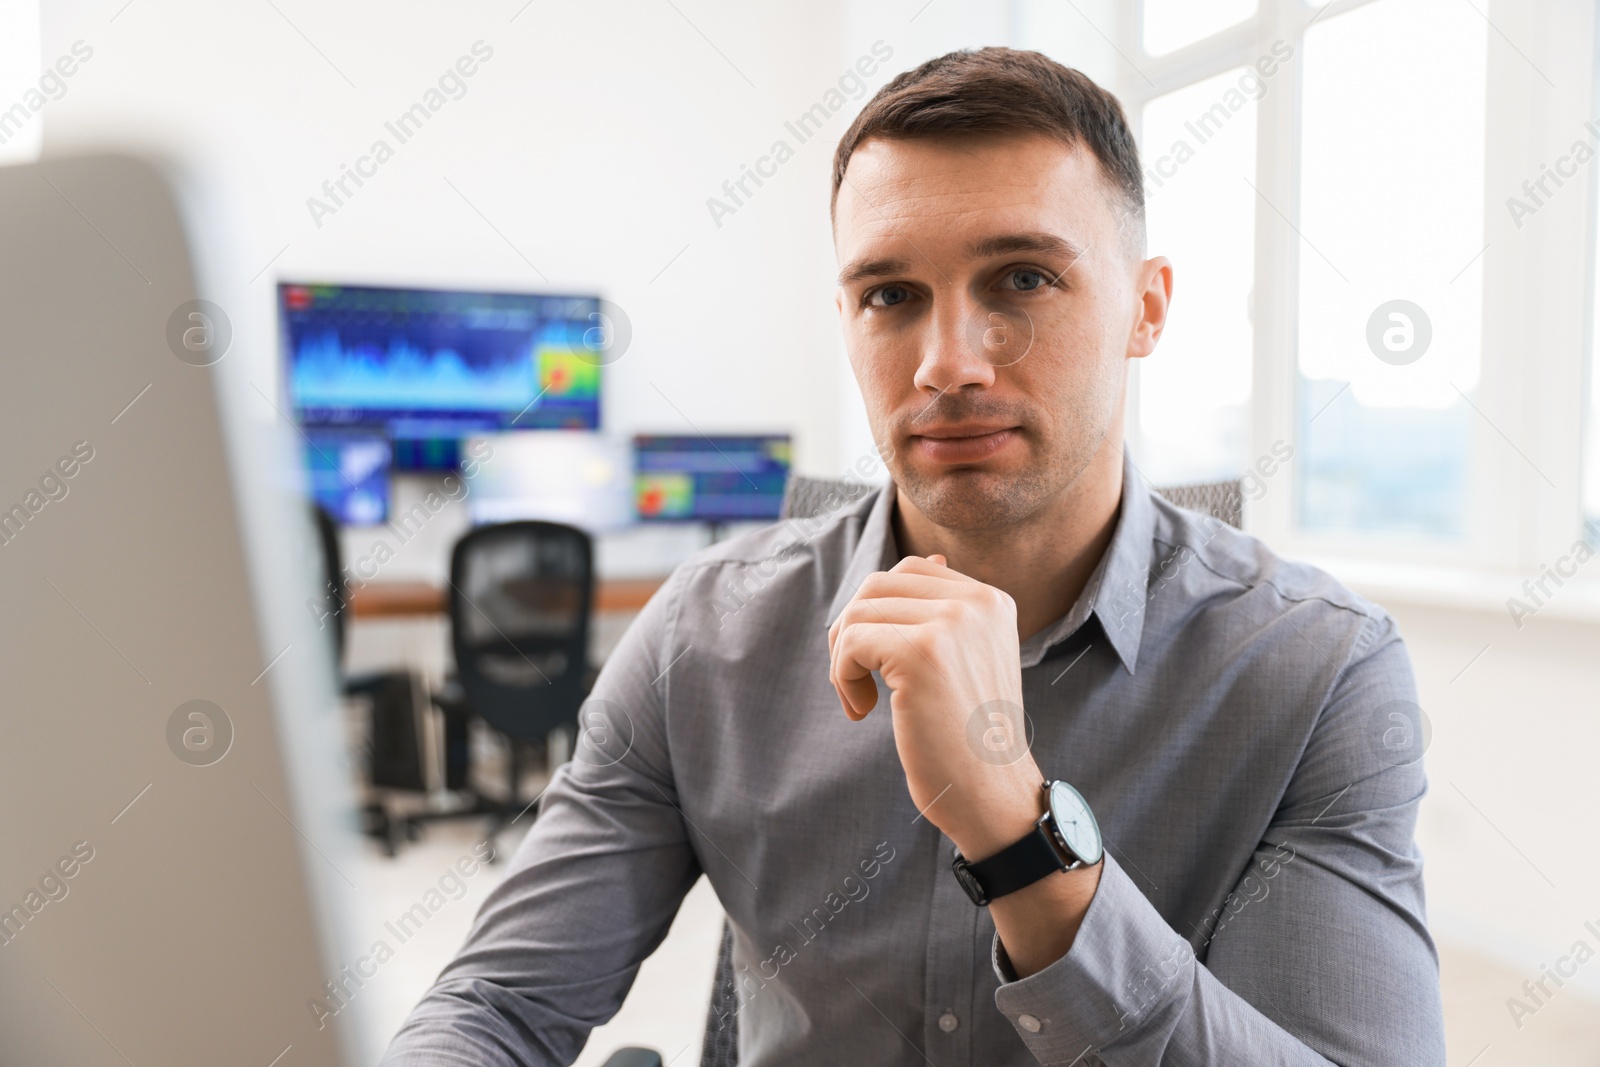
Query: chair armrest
(450, 698)
(634, 1057)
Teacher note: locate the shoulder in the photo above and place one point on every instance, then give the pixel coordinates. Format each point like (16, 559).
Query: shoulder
(794, 558)
(1221, 569)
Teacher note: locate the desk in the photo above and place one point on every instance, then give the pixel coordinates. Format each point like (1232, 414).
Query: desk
(388, 600)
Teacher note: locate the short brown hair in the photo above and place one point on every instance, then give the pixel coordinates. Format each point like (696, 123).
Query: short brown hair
(1003, 90)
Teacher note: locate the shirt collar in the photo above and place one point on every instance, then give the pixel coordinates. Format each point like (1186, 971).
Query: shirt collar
(1115, 593)
(876, 550)
(1117, 590)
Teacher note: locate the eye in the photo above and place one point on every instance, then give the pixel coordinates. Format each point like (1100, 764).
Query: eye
(1026, 279)
(888, 296)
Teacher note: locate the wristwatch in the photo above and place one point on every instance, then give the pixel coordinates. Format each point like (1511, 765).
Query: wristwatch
(1065, 837)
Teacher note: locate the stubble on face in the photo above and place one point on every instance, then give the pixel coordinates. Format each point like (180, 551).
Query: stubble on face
(1062, 436)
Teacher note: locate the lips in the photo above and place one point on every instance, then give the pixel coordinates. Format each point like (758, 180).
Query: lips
(963, 443)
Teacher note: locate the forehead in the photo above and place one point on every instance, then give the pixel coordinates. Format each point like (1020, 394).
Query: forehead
(946, 191)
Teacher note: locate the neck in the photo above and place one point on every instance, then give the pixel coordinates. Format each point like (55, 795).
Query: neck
(1042, 561)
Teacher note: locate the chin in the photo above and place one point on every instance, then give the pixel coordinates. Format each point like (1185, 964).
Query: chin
(974, 498)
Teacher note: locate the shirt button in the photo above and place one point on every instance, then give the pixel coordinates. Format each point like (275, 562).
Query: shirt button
(1029, 1023)
(948, 1022)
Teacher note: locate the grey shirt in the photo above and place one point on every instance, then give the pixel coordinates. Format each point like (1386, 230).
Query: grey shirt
(1241, 726)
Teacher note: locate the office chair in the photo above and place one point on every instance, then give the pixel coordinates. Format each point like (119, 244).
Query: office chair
(396, 744)
(805, 498)
(1220, 500)
(521, 596)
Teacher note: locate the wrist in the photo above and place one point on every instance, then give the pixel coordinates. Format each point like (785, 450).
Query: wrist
(999, 823)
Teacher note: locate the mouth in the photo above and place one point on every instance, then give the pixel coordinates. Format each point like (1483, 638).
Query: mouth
(963, 443)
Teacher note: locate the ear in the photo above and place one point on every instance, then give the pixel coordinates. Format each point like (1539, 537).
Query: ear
(1153, 279)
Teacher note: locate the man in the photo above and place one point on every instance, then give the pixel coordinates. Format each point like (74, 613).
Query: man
(1222, 870)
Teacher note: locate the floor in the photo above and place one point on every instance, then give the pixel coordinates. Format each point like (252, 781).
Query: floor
(666, 1008)
(1481, 1031)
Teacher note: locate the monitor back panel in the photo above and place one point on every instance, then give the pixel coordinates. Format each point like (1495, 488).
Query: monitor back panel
(164, 879)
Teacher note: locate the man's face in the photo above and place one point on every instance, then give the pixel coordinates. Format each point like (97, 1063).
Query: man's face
(990, 302)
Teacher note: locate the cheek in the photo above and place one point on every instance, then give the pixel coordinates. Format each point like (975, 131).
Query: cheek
(1072, 378)
(1080, 345)
(884, 367)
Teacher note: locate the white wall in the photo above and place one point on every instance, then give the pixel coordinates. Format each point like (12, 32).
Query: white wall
(1508, 828)
(590, 143)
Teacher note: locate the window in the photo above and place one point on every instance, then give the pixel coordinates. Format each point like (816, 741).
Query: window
(1171, 24)
(1591, 407)
(1391, 221)
(1192, 418)
(1366, 310)
(19, 72)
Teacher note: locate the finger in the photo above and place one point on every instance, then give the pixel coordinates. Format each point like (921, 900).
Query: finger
(900, 611)
(863, 647)
(934, 565)
(857, 697)
(919, 585)
(858, 693)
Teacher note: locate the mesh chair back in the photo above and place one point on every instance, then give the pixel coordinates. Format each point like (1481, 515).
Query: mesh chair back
(1220, 500)
(520, 599)
(805, 498)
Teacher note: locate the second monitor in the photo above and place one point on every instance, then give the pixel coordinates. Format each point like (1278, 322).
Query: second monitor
(710, 479)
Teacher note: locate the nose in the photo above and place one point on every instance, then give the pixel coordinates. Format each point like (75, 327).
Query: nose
(955, 351)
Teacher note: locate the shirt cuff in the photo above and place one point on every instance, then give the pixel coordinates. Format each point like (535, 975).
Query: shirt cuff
(1125, 967)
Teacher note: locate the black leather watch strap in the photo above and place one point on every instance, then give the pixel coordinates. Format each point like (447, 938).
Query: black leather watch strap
(1012, 868)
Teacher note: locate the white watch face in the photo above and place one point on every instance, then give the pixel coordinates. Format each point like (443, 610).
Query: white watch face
(1075, 822)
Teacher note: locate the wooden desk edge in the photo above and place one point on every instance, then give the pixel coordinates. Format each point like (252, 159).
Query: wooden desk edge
(388, 600)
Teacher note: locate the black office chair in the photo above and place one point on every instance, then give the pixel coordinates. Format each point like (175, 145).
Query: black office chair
(521, 597)
(331, 594)
(805, 498)
(395, 741)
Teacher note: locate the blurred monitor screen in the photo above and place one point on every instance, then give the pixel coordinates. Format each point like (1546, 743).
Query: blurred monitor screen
(427, 453)
(439, 364)
(709, 479)
(348, 474)
(577, 478)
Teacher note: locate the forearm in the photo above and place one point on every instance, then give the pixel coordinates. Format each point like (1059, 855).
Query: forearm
(589, 894)
(1131, 992)
(1302, 967)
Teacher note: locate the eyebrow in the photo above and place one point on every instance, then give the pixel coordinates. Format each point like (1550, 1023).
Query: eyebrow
(1005, 243)
(984, 248)
(884, 267)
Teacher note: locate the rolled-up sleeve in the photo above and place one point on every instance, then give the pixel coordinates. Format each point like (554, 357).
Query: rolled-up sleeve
(1320, 954)
(590, 892)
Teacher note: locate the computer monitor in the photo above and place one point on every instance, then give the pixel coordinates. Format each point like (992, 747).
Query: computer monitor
(430, 364)
(177, 880)
(348, 474)
(577, 478)
(426, 453)
(710, 479)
